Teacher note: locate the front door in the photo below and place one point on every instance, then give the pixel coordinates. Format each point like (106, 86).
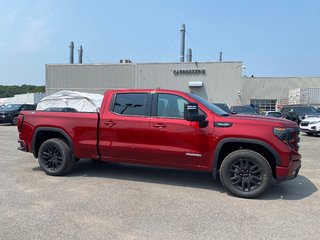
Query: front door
(175, 141)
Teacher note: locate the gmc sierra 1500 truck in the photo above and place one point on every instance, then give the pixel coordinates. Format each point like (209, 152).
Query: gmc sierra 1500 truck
(167, 128)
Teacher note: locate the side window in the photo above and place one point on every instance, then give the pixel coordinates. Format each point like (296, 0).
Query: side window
(133, 104)
(170, 105)
(23, 108)
(29, 107)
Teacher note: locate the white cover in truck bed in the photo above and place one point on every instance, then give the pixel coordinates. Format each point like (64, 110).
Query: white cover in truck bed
(81, 101)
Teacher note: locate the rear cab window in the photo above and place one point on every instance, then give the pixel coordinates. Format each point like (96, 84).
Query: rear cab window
(131, 104)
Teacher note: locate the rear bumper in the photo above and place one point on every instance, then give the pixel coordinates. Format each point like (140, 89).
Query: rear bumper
(290, 172)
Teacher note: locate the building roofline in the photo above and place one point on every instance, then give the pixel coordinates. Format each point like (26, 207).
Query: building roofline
(135, 64)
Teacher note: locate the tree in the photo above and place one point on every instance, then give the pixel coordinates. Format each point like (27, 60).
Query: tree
(10, 91)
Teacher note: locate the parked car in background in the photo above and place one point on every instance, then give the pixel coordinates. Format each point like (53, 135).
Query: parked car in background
(276, 114)
(310, 125)
(297, 113)
(243, 110)
(10, 112)
(223, 106)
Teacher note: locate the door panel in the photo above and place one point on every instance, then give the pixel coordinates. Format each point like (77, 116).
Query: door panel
(175, 141)
(124, 137)
(124, 128)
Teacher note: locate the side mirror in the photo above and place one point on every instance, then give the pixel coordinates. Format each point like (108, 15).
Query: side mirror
(191, 113)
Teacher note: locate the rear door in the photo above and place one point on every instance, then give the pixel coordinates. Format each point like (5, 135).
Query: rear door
(173, 140)
(124, 134)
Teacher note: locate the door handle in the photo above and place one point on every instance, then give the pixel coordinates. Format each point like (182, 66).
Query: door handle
(159, 125)
(109, 123)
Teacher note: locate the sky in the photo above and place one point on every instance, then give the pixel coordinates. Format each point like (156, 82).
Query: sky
(274, 38)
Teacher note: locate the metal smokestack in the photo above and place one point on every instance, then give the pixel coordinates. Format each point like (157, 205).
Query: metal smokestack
(220, 56)
(80, 51)
(189, 55)
(71, 52)
(182, 42)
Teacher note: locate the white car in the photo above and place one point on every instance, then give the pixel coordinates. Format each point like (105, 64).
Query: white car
(310, 125)
(275, 114)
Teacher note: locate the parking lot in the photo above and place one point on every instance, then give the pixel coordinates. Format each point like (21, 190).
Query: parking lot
(117, 201)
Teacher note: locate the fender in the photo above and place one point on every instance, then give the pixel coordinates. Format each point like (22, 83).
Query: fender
(240, 140)
(49, 129)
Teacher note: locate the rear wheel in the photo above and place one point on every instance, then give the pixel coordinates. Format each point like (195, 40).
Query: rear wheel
(55, 157)
(245, 173)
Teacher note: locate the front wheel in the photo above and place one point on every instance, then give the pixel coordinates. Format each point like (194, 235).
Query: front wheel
(246, 174)
(55, 157)
(14, 120)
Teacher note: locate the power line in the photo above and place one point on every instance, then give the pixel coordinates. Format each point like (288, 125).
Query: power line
(203, 48)
(167, 46)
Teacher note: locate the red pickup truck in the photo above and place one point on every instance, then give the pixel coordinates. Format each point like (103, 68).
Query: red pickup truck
(167, 128)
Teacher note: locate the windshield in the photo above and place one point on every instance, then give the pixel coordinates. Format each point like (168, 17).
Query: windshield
(223, 106)
(12, 107)
(306, 110)
(244, 109)
(208, 105)
(274, 114)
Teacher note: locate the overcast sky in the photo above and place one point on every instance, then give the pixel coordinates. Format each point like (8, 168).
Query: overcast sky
(271, 38)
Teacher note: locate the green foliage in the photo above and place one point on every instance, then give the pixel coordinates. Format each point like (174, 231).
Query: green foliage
(10, 91)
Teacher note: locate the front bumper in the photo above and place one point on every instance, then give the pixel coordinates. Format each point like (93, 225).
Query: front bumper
(5, 120)
(288, 173)
(307, 130)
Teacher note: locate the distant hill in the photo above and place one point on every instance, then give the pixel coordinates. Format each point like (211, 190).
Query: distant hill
(10, 91)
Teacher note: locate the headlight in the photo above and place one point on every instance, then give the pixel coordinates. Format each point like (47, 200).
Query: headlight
(289, 136)
(281, 133)
(314, 122)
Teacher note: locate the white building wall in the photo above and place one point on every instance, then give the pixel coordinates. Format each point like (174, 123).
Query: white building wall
(221, 80)
(274, 87)
(29, 98)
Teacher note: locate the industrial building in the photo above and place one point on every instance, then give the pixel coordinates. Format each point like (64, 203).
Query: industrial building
(27, 98)
(216, 81)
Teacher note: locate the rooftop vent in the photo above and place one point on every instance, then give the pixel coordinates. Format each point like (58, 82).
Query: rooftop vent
(125, 61)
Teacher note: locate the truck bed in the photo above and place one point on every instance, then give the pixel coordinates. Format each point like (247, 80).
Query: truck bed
(81, 127)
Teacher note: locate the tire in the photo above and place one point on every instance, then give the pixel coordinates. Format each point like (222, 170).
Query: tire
(245, 174)
(14, 120)
(309, 134)
(55, 157)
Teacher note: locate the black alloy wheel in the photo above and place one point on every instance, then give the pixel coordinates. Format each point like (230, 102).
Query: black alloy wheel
(55, 157)
(246, 173)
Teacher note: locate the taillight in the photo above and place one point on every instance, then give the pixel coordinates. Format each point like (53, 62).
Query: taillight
(20, 122)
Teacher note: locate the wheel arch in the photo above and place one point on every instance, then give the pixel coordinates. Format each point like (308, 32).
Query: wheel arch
(42, 134)
(229, 145)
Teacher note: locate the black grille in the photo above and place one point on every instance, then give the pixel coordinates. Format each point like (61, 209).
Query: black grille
(304, 124)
